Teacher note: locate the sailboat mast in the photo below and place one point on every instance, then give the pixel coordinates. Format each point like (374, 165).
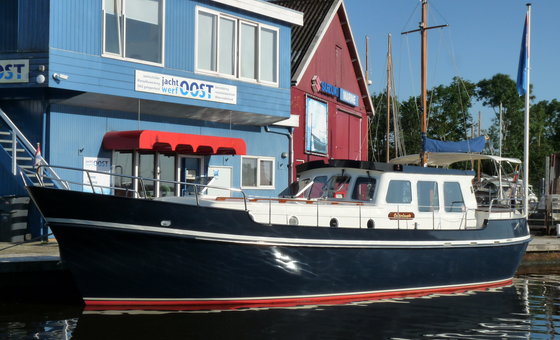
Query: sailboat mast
(423, 29)
(526, 130)
(424, 78)
(389, 85)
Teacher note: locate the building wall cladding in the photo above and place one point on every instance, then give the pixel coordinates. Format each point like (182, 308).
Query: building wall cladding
(347, 125)
(76, 48)
(75, 133)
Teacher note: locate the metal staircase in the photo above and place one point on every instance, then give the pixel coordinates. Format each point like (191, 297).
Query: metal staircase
(23, 158)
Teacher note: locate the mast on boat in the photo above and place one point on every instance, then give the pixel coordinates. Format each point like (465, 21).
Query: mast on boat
(389, 90)
(423, 29)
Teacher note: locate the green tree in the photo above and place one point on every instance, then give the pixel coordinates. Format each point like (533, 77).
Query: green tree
(448, 114)
(543, 118)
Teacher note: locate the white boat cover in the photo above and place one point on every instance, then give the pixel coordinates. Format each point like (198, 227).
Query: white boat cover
(444, 159)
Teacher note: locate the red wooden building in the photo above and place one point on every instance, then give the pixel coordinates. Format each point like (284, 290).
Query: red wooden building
(329, 91)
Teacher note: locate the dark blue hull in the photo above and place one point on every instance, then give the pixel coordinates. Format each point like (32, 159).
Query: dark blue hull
(119, 254)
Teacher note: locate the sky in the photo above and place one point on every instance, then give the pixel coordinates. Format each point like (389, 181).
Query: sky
(483, 38)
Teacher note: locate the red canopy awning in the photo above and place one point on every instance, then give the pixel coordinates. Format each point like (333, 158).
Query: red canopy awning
(172, 141)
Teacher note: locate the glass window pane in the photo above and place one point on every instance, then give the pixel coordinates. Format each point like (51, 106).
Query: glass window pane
(318, 187)
(364, 189)
(227, 46)
(166, 172)
(146, 170)
(248, 51)
(452, 196)
(266, 168)
(143, 30)
(113, 34)
(249, 172)
(206, 57)
(399, 192)
(122, 165)
(269, 55)
(428, 199)
(337, 186)
(316, 133)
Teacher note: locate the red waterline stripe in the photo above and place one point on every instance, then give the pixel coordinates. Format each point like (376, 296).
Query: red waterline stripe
(277, 302)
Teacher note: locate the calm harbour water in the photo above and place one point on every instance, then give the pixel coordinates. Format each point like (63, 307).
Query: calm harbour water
(529, 309)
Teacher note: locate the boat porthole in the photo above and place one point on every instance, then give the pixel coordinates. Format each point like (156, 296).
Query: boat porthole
(370, 224)
(293, 220)
(333, 223)
(165, 223)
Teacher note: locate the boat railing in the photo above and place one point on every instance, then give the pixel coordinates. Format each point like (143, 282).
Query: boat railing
(102, 182)
(505, 205)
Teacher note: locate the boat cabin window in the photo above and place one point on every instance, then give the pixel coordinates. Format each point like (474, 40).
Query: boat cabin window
(428, 198)
(399, 192)
(364, 189)
(317, 188)
(452, 197)
(337, 187)
(298, 189)
(123, 165)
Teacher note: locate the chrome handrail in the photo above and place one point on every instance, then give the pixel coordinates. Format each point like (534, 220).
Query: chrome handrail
(26, 143)
(45, 168)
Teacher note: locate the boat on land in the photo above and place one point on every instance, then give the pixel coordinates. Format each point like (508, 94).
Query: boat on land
(346, 231)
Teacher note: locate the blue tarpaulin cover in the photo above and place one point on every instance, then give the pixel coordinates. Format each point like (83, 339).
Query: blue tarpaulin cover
(470, 145)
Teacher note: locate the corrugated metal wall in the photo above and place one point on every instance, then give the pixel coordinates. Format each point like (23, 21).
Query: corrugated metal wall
(24, 25)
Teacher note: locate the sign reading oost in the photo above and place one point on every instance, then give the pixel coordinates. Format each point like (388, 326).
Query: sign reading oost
(14, 71)
(184, 87)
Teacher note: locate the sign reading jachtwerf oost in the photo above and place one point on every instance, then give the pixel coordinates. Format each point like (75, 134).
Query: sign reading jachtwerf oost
(169, 85)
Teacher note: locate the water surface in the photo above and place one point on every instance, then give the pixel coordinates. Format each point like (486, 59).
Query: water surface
(528, 309)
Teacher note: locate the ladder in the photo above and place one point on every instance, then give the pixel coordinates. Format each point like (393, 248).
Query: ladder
(23, 157)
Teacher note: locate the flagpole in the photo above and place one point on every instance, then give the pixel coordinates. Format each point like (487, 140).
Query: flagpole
(527, 93)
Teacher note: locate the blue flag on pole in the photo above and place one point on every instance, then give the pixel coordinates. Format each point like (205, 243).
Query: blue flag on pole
(523, 62)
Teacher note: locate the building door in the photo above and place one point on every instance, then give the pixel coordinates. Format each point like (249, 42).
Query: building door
(347, 138)
(190, 170)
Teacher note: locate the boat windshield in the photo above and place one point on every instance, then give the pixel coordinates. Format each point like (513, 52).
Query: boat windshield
(298, 189)
(364, 189)
(336, 187)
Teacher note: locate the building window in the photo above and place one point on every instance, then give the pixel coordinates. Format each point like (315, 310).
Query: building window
(233, 47)
(248, 51)
(316, 134)
(257, 172)
(269, 55)
(133, 29)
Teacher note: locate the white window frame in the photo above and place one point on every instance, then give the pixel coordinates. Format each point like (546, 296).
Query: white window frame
(259, 159)
(237, 47)
(121, 56)
(277, 66)
(257, 51)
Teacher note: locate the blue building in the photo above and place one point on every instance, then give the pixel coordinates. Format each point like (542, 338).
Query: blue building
(166, 89)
